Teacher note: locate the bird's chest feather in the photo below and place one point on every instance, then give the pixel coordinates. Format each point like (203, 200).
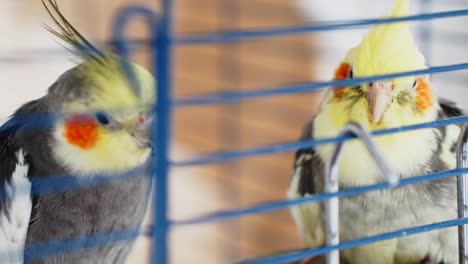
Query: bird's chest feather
(98, 209)
(403, 207)
(405, 153)
(116, 207)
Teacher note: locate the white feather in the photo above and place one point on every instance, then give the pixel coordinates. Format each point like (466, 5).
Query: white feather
(13, 229)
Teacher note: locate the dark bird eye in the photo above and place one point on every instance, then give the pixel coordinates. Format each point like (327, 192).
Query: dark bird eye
(102, 118)
(415, 83)
(350, 75)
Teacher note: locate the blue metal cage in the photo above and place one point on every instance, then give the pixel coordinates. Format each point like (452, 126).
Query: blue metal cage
(166, 40)
(162, 42)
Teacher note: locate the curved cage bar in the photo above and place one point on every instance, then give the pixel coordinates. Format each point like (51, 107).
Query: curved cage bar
(120, 43)
(331, 216)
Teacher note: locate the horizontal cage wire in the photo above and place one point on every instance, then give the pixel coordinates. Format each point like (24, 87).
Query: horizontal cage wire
(162, 43)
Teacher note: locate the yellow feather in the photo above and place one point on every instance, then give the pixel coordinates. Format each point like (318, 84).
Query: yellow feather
(388, 48)
(110, 86)
(110, 91)
(400, 8)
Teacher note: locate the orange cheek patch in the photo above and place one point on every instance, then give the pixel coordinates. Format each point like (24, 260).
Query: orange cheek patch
(423, 95)
(341, 73)
(81, 131)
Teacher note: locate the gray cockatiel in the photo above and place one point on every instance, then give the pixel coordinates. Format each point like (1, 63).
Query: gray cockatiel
(384, 104)
(101, 127)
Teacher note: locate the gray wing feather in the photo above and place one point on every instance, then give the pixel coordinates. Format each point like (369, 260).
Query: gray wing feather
(450, 109)
(307, 180)
(308, 166)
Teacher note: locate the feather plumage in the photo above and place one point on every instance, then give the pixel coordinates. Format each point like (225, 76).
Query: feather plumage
(358, 213)
(79, 44)
(388, 48)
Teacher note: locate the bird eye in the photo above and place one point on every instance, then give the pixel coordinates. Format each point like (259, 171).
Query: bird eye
(415, 83)
(350, 74)
(102, 118)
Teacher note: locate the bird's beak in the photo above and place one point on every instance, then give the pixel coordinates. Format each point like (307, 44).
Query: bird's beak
(140, 130)
(379, 97)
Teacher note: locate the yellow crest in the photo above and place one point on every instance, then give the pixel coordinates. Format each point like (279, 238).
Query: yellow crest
(387, 48)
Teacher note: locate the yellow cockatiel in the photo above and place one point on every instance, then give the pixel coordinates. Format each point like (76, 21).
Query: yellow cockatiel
(387, 48)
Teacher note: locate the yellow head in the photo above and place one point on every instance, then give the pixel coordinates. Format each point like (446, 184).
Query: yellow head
(105, 120)
(106, 125)
(387, 48)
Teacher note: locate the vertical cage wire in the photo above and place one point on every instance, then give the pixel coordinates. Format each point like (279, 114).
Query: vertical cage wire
(462, 185)
(161, 134)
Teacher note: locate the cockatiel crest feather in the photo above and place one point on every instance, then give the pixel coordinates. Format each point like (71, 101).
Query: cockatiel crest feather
(79, 44)
(115, 69)
(387, 48)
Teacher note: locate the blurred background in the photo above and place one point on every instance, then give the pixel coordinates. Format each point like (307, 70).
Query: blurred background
(31, 60)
